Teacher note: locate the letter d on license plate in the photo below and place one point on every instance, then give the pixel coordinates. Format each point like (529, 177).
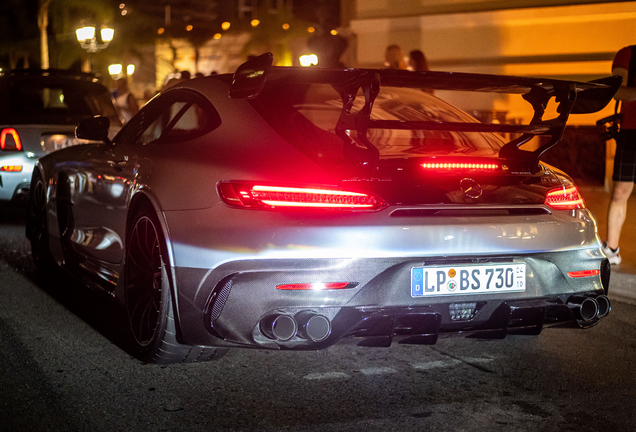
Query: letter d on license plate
(468, 279)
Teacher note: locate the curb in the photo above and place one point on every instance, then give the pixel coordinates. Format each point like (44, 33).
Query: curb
(622, 287)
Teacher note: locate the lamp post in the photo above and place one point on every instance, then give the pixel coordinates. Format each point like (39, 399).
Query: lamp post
(93, 43)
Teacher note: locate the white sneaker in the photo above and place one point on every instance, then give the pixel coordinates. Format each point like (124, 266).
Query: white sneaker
(613, 257)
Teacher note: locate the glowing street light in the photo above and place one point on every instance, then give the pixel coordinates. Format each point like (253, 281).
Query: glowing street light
(115, 70)
(88, 40)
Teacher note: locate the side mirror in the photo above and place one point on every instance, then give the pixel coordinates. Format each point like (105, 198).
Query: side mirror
(93, 129)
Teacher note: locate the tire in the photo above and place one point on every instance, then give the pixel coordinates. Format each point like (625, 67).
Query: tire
(36, 225)
(148, 296)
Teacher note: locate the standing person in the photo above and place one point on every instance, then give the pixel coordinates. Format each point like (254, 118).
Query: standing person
(624, 175)
(394, 57)
(417, 61)
(125, 99)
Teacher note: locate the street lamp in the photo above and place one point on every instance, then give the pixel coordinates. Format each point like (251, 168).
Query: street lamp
(93, 44)
(87, 39)
(115, 71)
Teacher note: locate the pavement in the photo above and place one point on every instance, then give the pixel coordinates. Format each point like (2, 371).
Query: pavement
(623, 278)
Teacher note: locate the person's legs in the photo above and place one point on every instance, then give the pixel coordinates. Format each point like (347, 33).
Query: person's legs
(617, 210)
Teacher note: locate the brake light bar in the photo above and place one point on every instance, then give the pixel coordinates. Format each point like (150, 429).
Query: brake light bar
(460, 166)
(10, 140)
(317, 286)
(11, 168)
(565, 198)
(584, 273)
(248, 195)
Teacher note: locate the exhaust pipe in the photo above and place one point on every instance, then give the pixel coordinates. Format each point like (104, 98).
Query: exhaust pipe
(279, 327)
(584, 308)
(604, 306)
(313, 326)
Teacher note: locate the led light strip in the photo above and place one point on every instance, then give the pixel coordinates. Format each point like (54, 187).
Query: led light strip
(315, 286)
(319, 198)
(258, 188)
(565, 198)
(14, 134)
(454, 165)
(584, 273)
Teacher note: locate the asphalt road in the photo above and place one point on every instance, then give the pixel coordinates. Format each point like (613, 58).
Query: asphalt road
(64, 367)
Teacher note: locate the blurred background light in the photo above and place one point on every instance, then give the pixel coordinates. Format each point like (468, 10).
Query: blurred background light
(308, 60)
(114, 70)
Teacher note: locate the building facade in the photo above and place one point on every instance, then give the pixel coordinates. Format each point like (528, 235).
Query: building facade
(558, 39)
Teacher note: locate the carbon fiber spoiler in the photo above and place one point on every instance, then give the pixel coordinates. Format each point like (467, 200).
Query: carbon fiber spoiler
(571, 97)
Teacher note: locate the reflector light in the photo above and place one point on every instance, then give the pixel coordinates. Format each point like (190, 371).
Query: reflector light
(263, 196)
(584, 273)
(11, 168)
(10, 140)
(316, 286)
(564, 198)
(461, 166)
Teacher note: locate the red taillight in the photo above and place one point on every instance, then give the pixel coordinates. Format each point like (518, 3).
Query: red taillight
(10, 140)
(584, 273)
(317, 286)
(11, 168)
(248, 195)
(453, 166)
(564, 198)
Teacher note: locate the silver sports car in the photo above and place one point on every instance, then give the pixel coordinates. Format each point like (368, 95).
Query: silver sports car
(295, 208)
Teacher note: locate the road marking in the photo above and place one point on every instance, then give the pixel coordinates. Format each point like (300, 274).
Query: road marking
(378, 371)
(327, 375)
(430, 365)
(449, 363)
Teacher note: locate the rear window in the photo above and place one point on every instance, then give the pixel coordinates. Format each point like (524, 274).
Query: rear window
(66, 102)
(307, 115)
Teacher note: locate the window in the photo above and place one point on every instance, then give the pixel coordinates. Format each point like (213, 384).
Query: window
(44, 100)
(307, 115)
(177, 116)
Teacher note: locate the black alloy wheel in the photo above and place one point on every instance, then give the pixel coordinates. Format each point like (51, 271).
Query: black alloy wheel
(148, 296)
(36, 224)
(144, 281)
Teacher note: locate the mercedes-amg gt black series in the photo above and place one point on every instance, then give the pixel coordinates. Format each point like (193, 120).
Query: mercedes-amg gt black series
(294, 208)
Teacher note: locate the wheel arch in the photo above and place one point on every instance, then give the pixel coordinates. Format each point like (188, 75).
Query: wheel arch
(145, 197)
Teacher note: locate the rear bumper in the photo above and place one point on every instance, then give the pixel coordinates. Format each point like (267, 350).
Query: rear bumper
(423, 325)
(237, 304)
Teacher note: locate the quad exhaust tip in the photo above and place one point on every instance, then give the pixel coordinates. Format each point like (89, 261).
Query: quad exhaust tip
(306, 324)
(280, 327)
(590, 308)
(604, 306)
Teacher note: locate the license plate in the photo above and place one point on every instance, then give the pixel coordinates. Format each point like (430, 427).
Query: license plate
(468, 279)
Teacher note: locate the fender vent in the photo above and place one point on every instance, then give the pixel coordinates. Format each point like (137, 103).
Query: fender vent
(218, 299)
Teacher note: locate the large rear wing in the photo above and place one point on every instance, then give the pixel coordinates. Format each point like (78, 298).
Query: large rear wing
(571, 97)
